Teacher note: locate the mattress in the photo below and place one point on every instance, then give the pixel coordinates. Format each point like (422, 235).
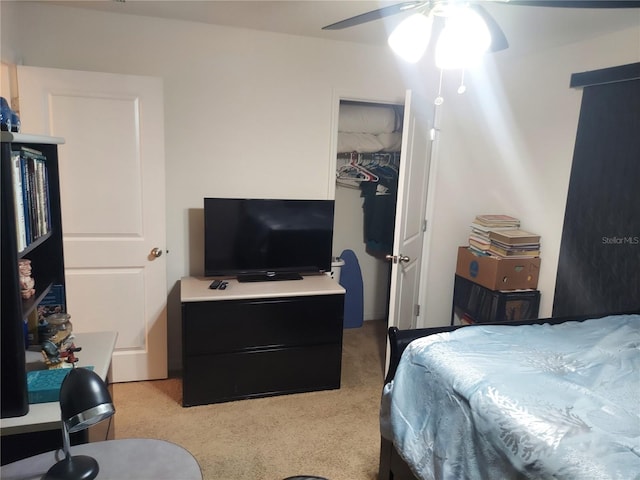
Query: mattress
(532, 401)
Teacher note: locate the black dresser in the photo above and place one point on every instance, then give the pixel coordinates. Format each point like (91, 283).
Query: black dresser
(259, 339)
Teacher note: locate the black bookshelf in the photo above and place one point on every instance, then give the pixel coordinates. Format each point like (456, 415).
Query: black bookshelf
(47, 260)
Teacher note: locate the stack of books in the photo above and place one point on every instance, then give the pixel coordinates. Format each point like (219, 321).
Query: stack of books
(514, 244)
(501, 236)
(483, 225)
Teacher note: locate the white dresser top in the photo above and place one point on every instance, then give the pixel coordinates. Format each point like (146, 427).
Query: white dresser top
(97, 349)
(196, 289)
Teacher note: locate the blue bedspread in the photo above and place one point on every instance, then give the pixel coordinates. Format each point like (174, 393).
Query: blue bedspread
(535, 401)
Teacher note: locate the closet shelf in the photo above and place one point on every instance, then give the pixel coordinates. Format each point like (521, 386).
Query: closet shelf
(373, 156)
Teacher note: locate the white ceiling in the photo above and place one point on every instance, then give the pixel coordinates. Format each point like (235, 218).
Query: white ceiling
(526, 28)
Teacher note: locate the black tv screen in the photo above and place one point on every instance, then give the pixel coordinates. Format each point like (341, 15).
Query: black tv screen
(256, 238)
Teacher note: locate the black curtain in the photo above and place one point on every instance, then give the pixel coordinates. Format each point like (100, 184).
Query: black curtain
(599, 264)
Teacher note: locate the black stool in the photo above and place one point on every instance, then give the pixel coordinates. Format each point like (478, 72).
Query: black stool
(305, 477)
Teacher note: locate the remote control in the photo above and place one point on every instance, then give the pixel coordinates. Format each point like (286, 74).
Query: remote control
(223, 285)
(215, 284)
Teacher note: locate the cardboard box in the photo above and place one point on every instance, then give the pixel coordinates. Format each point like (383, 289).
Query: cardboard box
(498, 273)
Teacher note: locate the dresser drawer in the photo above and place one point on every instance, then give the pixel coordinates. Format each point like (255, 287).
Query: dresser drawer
(237, 325)
(233, 376)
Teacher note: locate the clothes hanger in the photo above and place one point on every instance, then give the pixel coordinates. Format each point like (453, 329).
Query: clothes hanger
(370, 176)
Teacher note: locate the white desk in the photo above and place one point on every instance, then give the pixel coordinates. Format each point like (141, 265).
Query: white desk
(135, 459)
(97, 349)
(39, 430)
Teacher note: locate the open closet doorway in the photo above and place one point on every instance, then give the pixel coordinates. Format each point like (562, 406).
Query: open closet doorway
(368, 149)
(382, 172)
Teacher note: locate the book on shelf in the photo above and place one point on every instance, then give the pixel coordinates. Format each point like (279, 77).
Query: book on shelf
(479, 243)
(484, 229)
(43, 386)
(497, 221)
(42, 203)
(514, 237)
(18, 197)
(30, 150)
(31, 196)
(479, 252)
(516, 246)
(511, 252)
(52, 303)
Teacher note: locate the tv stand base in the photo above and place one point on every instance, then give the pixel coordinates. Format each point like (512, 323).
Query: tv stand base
(268, 277)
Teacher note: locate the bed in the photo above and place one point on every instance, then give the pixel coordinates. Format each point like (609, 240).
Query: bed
(548, 398)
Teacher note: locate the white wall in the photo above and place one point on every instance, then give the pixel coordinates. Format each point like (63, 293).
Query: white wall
(250, 113)
(247, 113)
(506, 146)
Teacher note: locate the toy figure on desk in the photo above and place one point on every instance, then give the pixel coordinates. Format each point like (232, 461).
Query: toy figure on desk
(50, 353)
(69, 356)
(53, 358)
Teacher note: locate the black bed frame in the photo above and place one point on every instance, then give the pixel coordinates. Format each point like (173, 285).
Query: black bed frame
(392, 466)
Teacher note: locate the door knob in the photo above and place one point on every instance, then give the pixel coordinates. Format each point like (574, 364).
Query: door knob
(395, 258)
(156, 252)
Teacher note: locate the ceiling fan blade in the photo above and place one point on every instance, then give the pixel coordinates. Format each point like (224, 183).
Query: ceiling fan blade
(578, 3)
(498, 39)
(373, 15)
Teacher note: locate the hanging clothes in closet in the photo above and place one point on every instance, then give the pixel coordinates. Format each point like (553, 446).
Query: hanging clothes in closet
(369, 141)
(380, 208)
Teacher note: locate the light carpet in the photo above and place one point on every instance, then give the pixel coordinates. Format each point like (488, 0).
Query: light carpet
(333, 434)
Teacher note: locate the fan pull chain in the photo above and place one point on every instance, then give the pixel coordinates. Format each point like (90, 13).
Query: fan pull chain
(439, 100)
(462, 88)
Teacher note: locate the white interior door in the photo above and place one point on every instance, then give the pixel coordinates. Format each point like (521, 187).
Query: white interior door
(410, 216)
(112, 176)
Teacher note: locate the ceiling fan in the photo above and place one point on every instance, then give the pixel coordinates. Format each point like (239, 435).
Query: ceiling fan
(416, 30)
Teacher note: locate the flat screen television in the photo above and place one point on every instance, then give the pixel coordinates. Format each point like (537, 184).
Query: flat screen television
(267, 239)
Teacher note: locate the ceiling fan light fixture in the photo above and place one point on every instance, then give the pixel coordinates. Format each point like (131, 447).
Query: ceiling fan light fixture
(410, 39)
(463, 40)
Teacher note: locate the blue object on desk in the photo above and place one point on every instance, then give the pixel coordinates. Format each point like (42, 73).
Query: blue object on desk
(44, 385)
